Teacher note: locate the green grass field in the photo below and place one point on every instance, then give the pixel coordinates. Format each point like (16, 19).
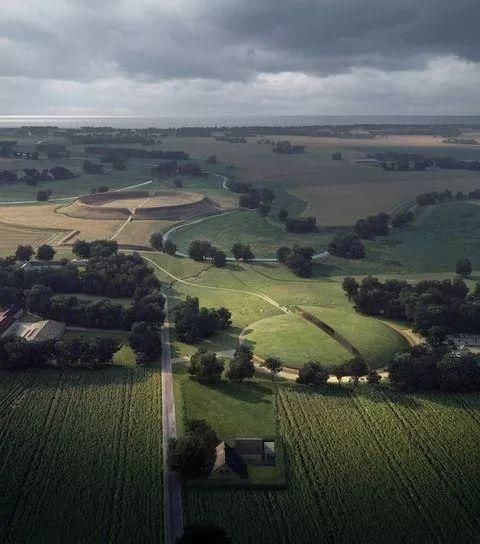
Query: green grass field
(233, 410)
(373, 466)
(376, 341)
(295, 341)
(448, 232)
(264, 234)
(81, 456)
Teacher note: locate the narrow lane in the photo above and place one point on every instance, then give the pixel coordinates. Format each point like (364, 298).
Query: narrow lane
(172, 493)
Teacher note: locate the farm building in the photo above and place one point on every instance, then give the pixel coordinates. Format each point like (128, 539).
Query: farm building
(231, 462)
(37, 332)
(228, 464)
(8, 317)
(255, 449)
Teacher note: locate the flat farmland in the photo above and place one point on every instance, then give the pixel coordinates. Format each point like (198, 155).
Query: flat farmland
(81, 456)
(11, 236)
(372, 466)
(49, 216)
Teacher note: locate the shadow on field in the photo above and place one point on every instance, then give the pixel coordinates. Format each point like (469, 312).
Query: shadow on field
(251, 392)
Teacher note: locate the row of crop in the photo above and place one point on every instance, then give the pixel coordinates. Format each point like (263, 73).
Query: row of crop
(83, 459)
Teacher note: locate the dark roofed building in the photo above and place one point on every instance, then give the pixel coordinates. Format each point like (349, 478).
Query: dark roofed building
(250, 448)
(228, 464)
(9, 316)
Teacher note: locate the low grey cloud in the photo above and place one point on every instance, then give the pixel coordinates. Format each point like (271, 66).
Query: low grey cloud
(150, 46)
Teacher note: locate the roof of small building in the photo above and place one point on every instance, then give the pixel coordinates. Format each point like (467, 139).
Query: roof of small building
(41, 330)
(226, 455)
(249, 446)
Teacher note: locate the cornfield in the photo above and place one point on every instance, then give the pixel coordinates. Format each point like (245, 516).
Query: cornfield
(80, 456)
(373, 466)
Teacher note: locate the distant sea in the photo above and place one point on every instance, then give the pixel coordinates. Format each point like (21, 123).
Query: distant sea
(65, 121)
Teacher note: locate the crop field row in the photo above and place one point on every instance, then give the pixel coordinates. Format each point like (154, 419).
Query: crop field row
(375, 466)
(81, 456)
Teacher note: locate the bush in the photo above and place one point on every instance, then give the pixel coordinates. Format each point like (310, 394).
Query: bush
(312, 373)
(348, 246)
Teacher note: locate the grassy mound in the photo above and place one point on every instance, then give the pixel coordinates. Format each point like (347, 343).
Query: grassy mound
(295, 341)
(376, 341)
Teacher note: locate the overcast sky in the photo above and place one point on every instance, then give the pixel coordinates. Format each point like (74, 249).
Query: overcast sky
(234, 57)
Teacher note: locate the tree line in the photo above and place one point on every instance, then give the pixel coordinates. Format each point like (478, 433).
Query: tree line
(33, 176)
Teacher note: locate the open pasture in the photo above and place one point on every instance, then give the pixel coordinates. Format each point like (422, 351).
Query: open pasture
(81, 456)
(11, 236)
(372, 466)
(264, 234)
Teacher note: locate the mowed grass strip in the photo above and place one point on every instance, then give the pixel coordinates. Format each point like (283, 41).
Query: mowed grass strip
(233, 410)
(376, 341)
(80, 456)
(295, 340)
(371, 466)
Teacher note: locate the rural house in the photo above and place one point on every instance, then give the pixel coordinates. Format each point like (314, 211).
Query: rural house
(228, 464)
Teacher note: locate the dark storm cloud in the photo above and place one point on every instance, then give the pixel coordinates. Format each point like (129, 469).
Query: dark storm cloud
(152, 40)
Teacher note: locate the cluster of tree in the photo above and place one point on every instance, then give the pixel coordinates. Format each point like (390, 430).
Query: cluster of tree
(192, 455)
(43, 195)
(231, 139)
(172, 167)
(193, 323)
(33, 176)
(99, 314)
(435, 197)
(158, 243)
(435, 367)
(125, 153)
(117, 275)
(44, 252)
(242, 252)
(413, 161)
(90, 167)
(87, 352)
(298, 259)
(53, 150)
(347, 246)
(373, 225)
(110, 138)
(201, 250)
(301, 225)
(286, 148)
(96, 248)
(146, 341)
(99, 189)
(205, 366)
(427, 304)
(401, 219)
(314, 373)
(252, 198)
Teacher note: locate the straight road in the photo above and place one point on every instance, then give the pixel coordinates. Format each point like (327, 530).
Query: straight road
(172, 493)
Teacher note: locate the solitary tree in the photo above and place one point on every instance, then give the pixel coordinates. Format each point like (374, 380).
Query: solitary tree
(169, 247)
(81, 249)
(23, 253)
(274, 365)
(464, 268)
(241, 367)
(356, 368)
(156, 241)
(205, 365)
(312, 373)
(219, 258)
(45, 252)
(373, 377)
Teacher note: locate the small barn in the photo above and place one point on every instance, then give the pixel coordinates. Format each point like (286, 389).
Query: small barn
(228, 464)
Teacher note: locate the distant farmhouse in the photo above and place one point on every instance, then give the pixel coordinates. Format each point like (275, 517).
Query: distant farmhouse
(40, 331)
(231, 462)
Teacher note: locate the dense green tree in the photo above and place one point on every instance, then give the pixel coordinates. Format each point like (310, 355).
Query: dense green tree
(282, 254)
(156, 241)
(38, 299)
(219, 258)
(205, 365)
(146, 339)
(350, 286)
(373, 377)
(312, 373)
(81, 249)
(199, 250)
(274, 365)
(23, 253)
(464, 268)
(264, 208)
(356, 368)
(169, 247)
(45, 252)
(190, 456)
(241, 367)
